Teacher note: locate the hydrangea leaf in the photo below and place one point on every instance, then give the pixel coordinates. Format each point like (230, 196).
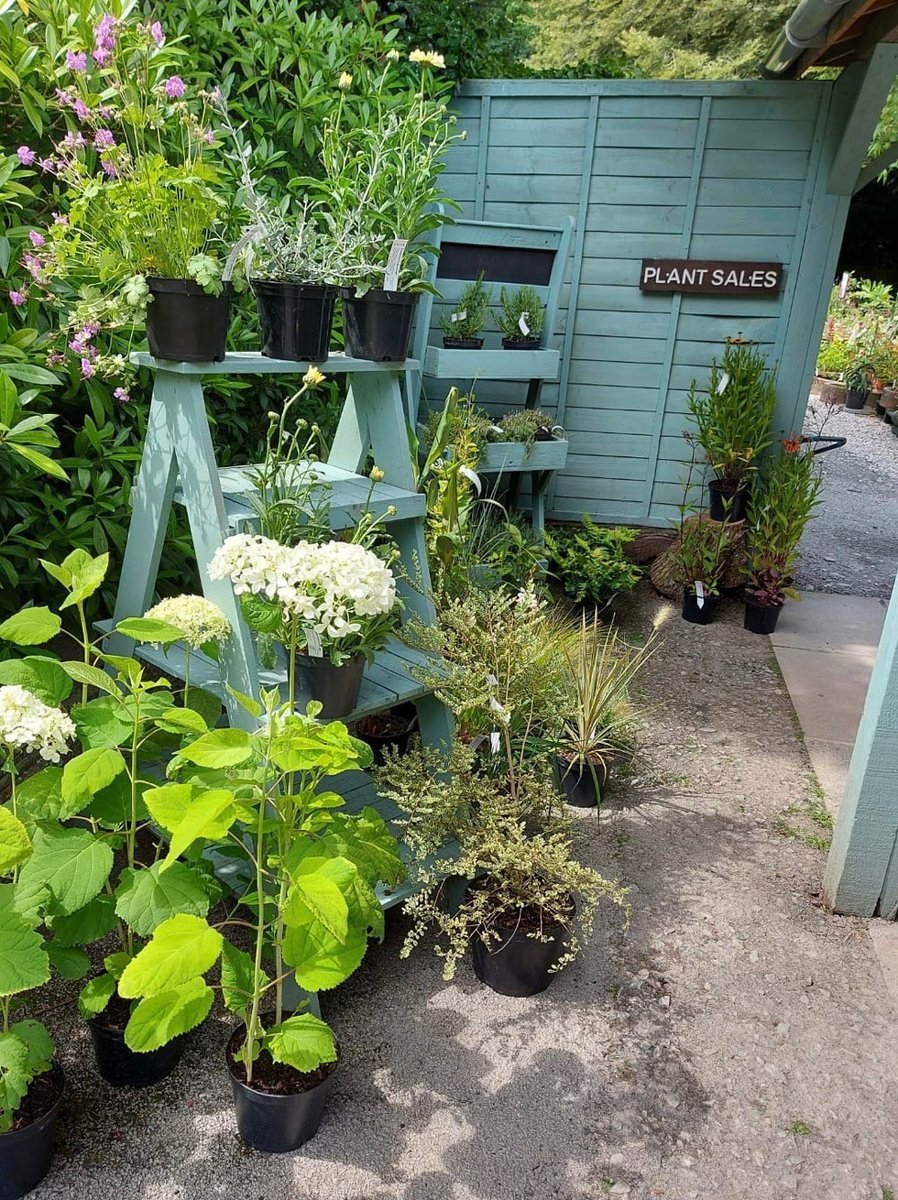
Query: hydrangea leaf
(180, 949)
(68, 867)
(144, 899)
(43, 677)
(15, 844)
(38, 1043)
(210, 816)
(237, 971)
(23, 959)
(220, 748)
(149, 629)
(31, 626)
(166, 1015)
(317, 892)
(366, 840)
(102, 723)
(14, 1077)
(87, 774)
(87, 924)
(303, 1042)
(95, 995)
(318, 959)
(69, 961)
(182, 720)
(39, 797)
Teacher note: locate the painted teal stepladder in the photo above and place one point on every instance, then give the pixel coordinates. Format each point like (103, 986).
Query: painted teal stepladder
(178, 466)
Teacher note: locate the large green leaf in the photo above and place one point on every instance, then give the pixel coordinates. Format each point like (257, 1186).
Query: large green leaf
(87, 774)
(42, 677)
(38, 1042)
(319, 960)
(166, 1015)
(92, 676)
(15, 844)
(111, 806)
(31, 626)
(39, 797)
(303, 1042)
(146, 898)
(68, 868)
(182, 720)
(317, 892)
(180, 949)
(102, 723)
(81, 574)
(204, 703)
(220, 748)
(366, 840)
(23, 959)
(87, 924)
(15, 1077)
(69, 961)
(95, 995)
(187, 813)
(149, 629)
(237, 974)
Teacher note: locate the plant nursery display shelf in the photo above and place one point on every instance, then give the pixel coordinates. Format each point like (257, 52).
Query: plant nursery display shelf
(178, 464)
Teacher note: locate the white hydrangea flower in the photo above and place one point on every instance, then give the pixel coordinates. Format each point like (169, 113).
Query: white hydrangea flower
(27, 723)
(198, 619)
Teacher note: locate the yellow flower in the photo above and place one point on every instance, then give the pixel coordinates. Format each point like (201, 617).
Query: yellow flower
(345, 81)
(313, 377)
(393, 56)
(376, 475)
(427, 58)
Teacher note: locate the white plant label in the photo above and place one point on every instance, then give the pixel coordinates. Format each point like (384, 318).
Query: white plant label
(724, 383)
(495, 743)
(843, 286)
(522, 324)
(459, 316)
(394, 262)
(313, 642)
(497, 429)
(699, 593)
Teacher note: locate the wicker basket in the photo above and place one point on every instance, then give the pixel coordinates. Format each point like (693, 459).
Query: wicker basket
(661, 572)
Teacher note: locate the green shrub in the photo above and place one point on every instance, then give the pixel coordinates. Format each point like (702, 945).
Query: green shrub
(589, 560)
(834, 357)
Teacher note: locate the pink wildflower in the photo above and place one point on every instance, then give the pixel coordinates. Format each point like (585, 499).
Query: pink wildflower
(91, 329)
(122, 396)
(104, 112)
(87, 368)
(82, 112)
(104, 139)
(46, 164)
(157, 33)
(210, 137)
(63, 97)
(26, 156)
(60, 219)
(109, 168)
(175, 87)
(76, 60)
(77, 346)
(17, 298)
(54, 358)
(36, 239)
(101, 56)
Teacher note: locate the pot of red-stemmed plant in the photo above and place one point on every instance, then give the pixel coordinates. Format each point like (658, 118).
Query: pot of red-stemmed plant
(699, 559)
(780, 510)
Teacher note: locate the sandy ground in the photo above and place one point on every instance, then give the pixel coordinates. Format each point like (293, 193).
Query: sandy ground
(735, 1042)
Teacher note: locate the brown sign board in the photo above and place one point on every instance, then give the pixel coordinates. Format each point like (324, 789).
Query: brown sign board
(710, 276)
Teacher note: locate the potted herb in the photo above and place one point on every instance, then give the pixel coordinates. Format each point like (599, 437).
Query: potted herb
(777, 517)
(528, 426)
(733, 419)
(598, 725)
(529, 904)
(332, 606)
(462, 324)
(857, 382)
(310, 903)
(521, 318)
(699, 559)
(141, 205)
(382, 190)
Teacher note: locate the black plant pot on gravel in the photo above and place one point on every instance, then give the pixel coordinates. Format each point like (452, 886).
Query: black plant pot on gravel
(282, 1108)
(855, 399)
(185, 323)
(336, 687)
(517, 964)
(27, 1149)
(761, 618)
(727, 502)
(126, 1068)
(698, 614)
(378, 325)
(295, 319)
(581, 783)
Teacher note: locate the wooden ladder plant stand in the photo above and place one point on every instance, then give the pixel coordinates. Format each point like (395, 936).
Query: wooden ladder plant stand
(178, 466)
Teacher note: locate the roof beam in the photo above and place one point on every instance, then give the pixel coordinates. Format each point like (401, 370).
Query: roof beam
(841, 27)
(876, 80)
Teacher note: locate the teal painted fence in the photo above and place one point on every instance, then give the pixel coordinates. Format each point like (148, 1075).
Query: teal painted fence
(735, 170)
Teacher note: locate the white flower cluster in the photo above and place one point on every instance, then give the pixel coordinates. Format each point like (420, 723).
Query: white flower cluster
(198, 619)
(27, 723)
(328, 587)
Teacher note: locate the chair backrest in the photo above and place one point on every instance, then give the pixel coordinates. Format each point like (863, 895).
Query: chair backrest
(505, 254)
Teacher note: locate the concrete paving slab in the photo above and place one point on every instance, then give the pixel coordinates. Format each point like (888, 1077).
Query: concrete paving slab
(884, 936)
(828, 690)
(822, 621)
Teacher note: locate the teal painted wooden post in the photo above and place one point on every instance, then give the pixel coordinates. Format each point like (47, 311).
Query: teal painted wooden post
(862, 869)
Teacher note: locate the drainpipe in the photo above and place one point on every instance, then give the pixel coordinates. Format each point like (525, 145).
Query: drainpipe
(804, 30)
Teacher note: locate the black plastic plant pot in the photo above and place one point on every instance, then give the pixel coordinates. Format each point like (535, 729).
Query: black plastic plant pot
(761, 618)
(727, 503)
(855, 399)
(472, 343)
(390, 730)
(125, 1068)
(336, 687)
(186, 323)
(529, 343)
(26, 1153)
(518, 965)
(579, 786)
(275, 1122)
(696, 614)
(378, 325)
(295, 319)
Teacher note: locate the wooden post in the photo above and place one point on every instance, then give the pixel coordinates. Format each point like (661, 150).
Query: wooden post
(862, 870)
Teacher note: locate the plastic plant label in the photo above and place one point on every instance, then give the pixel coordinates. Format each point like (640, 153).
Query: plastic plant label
(522, 324)
(394, 262)
(313, 642)
(459, 316)
(495, 743)
(496, 429)
(724, 384)
(699, 593)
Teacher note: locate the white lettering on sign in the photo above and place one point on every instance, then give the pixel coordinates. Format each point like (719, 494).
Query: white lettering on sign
(682, 275)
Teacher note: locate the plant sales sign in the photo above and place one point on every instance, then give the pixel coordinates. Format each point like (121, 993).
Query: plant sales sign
(711, 276)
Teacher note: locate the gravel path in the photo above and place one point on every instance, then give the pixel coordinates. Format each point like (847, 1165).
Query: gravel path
(851, 547)
(736, 1043)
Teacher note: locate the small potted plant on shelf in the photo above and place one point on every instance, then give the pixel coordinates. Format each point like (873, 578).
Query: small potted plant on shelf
(733, 419)
(599, 723)
(857, 381)
(529, 904)
(777, 517)
(528, 426)
(462, 324)
(141, 205)
(521, 318)
(310, 903)
(382, 191)
(699, 560)
(331, 605)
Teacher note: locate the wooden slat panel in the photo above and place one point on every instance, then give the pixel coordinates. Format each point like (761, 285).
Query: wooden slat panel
(648, 132)
(665, 164)
(755, 164)
(759, 135)
(633, 218)
(741, 221)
